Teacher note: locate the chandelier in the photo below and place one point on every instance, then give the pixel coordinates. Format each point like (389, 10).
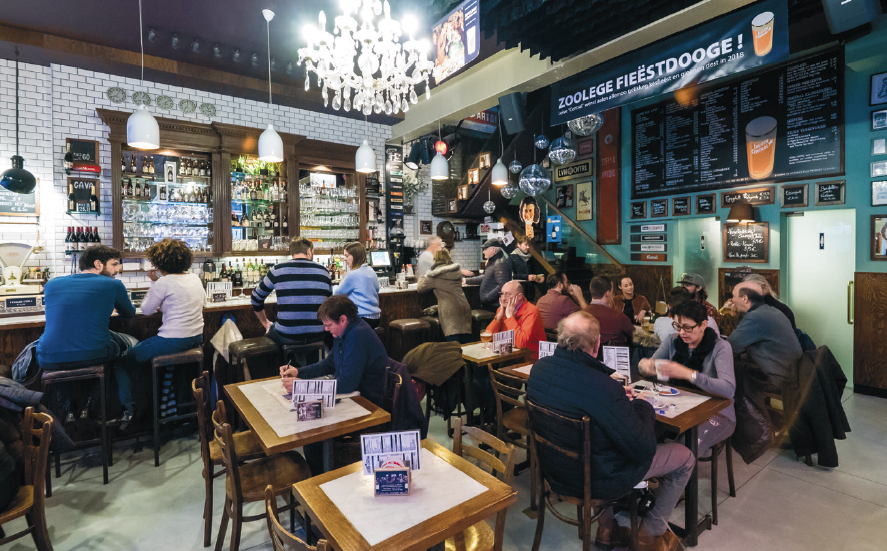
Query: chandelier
(387, 71)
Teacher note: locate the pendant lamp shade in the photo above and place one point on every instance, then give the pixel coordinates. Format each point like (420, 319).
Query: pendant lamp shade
(142, 130)
(365, 158)
(742, 213)
(17, 179)
(270, 146)
(440, 168)
(500, 173)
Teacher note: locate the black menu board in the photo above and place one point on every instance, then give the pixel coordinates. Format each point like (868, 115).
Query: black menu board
(785, 123)
(830, 193)
(680, 206)
(747, 242)
(659, 207)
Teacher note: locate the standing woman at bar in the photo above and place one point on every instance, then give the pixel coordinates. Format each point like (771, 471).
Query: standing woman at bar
(178, 294)
(361, 284)
(454, 312)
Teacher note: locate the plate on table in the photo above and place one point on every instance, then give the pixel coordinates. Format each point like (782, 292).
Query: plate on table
(668, 391)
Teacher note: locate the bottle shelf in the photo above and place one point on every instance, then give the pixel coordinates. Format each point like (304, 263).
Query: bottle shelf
(82, 212)
(260, 202)
(155, 201)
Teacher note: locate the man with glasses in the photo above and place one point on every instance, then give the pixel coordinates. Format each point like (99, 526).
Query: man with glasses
(664, 326)
(517, 314)
(696, 285)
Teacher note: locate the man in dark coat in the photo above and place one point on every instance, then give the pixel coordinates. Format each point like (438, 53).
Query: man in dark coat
(496, 274)
(623, 444)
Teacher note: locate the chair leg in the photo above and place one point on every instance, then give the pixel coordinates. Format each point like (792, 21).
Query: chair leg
(585, 523)
(223, 527)
(49, 475)
(156, 417)
(730, 480)
(715, 455)
(292, 513)
(633, 540)
(58, 464)
(540, 522)
(533, 489)
(106, 445)
(236, 526)
(37, 522)
(208, 509)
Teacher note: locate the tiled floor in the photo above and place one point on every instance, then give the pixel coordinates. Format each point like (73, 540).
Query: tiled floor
(781, 503)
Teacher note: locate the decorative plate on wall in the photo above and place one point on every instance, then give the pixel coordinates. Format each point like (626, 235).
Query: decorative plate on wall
(165, 102)
(208, 110)
(187, 106)
(116, 94)
(141, 98)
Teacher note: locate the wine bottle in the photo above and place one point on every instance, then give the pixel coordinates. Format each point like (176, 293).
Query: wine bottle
(267, 221)
(138, 192)
(209, 170)
(76, 240)
(93, 199)
(122, 164)
(163, 193)
(69, 241)
(182, 167)
(275, 222)
(151, 164)
(252, 192)
(146, 191)
(72, 201)
(69, 159)
(223, 274)
(285, 222)
(95, 237)
(202, 168)
(132, 164)
(128, 187)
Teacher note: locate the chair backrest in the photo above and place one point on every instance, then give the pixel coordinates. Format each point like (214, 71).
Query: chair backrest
(393, 382)
(281, 539)
(508, 389)
(36, 434)
(198, 387)
(562, 447)
(223, 436)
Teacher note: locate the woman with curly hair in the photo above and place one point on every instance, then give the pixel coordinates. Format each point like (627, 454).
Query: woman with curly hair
(179, 296)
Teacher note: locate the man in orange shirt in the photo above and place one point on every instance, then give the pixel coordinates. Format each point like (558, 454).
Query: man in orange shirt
(516, 313)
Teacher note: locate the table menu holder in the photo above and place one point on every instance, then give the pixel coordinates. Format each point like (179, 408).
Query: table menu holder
(392, 479)
(546, 348)
(503, 342)
(309, 411)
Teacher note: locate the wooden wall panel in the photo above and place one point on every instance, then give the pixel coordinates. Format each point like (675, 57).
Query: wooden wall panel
(650, 279)
(869, 329)
(729, 277)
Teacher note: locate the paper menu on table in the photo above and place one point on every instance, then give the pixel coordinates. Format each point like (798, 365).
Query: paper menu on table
(315, 389)
(376, 449)
(617, 358)
(546, 348)
(503, 337)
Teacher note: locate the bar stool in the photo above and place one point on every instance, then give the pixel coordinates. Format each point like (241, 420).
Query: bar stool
(480, 319)
(404, 335)
(49, 378)
(193, 356)
(435, 333)
(290, 350)
(713, 459)
(242, 351)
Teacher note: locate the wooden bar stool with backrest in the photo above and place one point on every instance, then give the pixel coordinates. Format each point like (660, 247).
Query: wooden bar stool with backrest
(562, 448)
(246, 446)
(246, 483)
(193, 356)
(242, 351)
(713, 459)
(282, 540)
(510, 390)
(288, 351)
(29, 502)
(49, 378)
(480, 537)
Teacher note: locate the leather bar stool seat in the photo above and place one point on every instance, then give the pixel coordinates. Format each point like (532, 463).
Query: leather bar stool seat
(187, 357)
(435, 332)
(480, 319)
(404, 335)
(244, 350)
(293, 351)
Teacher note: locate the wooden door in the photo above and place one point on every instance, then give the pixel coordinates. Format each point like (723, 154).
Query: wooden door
(869, 333)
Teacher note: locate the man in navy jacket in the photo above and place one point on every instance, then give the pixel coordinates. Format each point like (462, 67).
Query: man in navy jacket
(623, 446)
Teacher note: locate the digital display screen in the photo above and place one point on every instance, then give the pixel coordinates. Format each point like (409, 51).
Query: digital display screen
(380, 258)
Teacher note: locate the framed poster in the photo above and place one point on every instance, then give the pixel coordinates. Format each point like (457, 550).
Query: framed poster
(878, 92)
(705, 204)
(585, 147)
(680, 206)
(564, 197)
(425, 227)
(451, 205)
(879, 237)
(473, 176)
(638, 210)
(879, 146)
(794, 196)
(879, 120)
(747, 243)
(879, 169)
(584, 201)
(879, 193)
(485, 160)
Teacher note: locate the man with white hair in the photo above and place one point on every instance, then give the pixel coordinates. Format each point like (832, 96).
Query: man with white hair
(496, 274)
(770, 298)
(426, 259)
(623, 440)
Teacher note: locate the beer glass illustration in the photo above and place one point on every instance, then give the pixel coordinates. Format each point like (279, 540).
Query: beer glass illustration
(762, 33)
(760, 143)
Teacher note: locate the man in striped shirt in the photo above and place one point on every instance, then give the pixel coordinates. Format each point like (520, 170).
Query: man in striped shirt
(301, 285)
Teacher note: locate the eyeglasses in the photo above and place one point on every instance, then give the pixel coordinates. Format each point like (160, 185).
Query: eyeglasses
(685, 328)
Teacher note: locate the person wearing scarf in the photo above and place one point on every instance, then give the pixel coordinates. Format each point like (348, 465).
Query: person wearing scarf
(696, 354)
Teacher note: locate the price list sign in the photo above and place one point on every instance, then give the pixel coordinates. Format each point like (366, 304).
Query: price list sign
(780, 124)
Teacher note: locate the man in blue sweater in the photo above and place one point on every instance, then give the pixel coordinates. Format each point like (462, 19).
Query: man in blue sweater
(623, 443)
(78, 308)
(357, 360)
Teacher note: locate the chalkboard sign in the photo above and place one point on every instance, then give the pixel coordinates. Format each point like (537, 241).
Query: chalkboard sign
(372, 182)
(794, 196)
(755, 196)
(830, 193)
(705, 204)
(19, 204)
(219, 297)
(82, 190)
(680, 206)
(659, 208)
(85, 153)
(639, 210)
(747, 242)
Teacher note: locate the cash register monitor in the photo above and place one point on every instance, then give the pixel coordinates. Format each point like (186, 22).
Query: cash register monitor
(380, 259)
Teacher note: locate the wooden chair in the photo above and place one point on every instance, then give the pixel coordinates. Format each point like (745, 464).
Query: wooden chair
(713, 459)
(246, 446)
(346, 448)
(563, 443)
(480, 537)
(280, 538)
(510, 390)
(246, 483)
(784, 406)
(29, 502)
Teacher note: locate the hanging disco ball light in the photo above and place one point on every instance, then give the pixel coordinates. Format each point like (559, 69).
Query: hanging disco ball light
(587, 125)
(489, 207)
(509, 190)
(515, 167)
(541, 141)
(562, 151)
(535, 180)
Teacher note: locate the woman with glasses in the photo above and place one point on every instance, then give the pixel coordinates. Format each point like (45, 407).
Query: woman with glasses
(663, 325)
(699, 356)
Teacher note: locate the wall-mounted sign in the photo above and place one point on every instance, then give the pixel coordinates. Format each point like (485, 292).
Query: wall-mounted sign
(648, 247)
(747, 38)
(585, 147)
(394, 182)
(638, 210)
(584, 201)
(747, 242)
(649, 257)
(553, 234)
(20, 204)
(680, 206)
(85, 154)
(456, 39)
(574, 170)
(756, 196)
(659, 208)
(648, 237)
(80, 194)
(705, 204)
(794, 196)
(830, 193)
(647, 228)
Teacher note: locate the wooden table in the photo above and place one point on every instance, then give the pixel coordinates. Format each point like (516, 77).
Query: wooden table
(272, 443)
(686, 424)
(342, 535)
(475, 354)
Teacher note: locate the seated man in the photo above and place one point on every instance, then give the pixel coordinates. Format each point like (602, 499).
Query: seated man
(357, 361)
(517, 313)
(78, 308)
(561, 300)
(573, 383)
(635, 307)
(496, 274)
(696, 285)
(766, 334)
(616, 328)
(663, 324)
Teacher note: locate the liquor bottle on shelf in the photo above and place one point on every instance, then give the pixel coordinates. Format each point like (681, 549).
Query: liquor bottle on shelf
(163, 193)
(209, 170)
(70, 246)
(146, 191)
(122, 164)
(223, 273)
(238, 277)
(267, 221)
(275, 222)
(182, 166)
(93, 199)
(252, 192)
(275, 192)
(282, 190)
(69, 159)
(128, 187)
(151, 164)
(285, 224)
(235, 221)
(79, 239)
(132, 163)
(72, 202)
(138, 191)
(202, 168)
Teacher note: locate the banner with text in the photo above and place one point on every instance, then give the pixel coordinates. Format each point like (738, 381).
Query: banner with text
(747, 38)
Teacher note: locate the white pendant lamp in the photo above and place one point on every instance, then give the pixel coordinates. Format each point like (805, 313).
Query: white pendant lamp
(365, 159)
(142, 130)
(500, 171)
(440, 167)
(270, 142)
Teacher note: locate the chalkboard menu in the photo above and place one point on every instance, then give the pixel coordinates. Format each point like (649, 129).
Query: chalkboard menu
(19, 204)
(756, 196)
(785, 123)
(659, 207)
(372, 183)
(84, 151)
(639, 210)
(705, 204)
(747, 242)
(830, 193)
(794, 196)
(680, 206)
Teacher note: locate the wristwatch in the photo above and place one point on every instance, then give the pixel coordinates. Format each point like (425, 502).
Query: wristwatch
(693, 376)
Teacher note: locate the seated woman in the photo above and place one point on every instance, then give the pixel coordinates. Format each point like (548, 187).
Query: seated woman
(632, 305)
(697, 355)
(179, 296)
(454, 313)
(361, 284)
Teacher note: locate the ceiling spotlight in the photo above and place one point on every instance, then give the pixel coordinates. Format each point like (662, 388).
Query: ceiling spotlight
(152, 34)
(236, 55)
(195, 46)
(273, 63)
(289, 68)
(254, 59)
(217, 50)
(175, 41)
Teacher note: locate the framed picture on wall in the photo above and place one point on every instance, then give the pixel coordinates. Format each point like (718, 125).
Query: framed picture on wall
(879, 146)
(879, 168)
(638, 210)
(564, 197)
(879, 193)
(705, 204)
(879, 119)
(584, 201)
(473, 175)
(878, 89)
(879, 236)
(169, 172)
(425, 227)
(485, 160)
